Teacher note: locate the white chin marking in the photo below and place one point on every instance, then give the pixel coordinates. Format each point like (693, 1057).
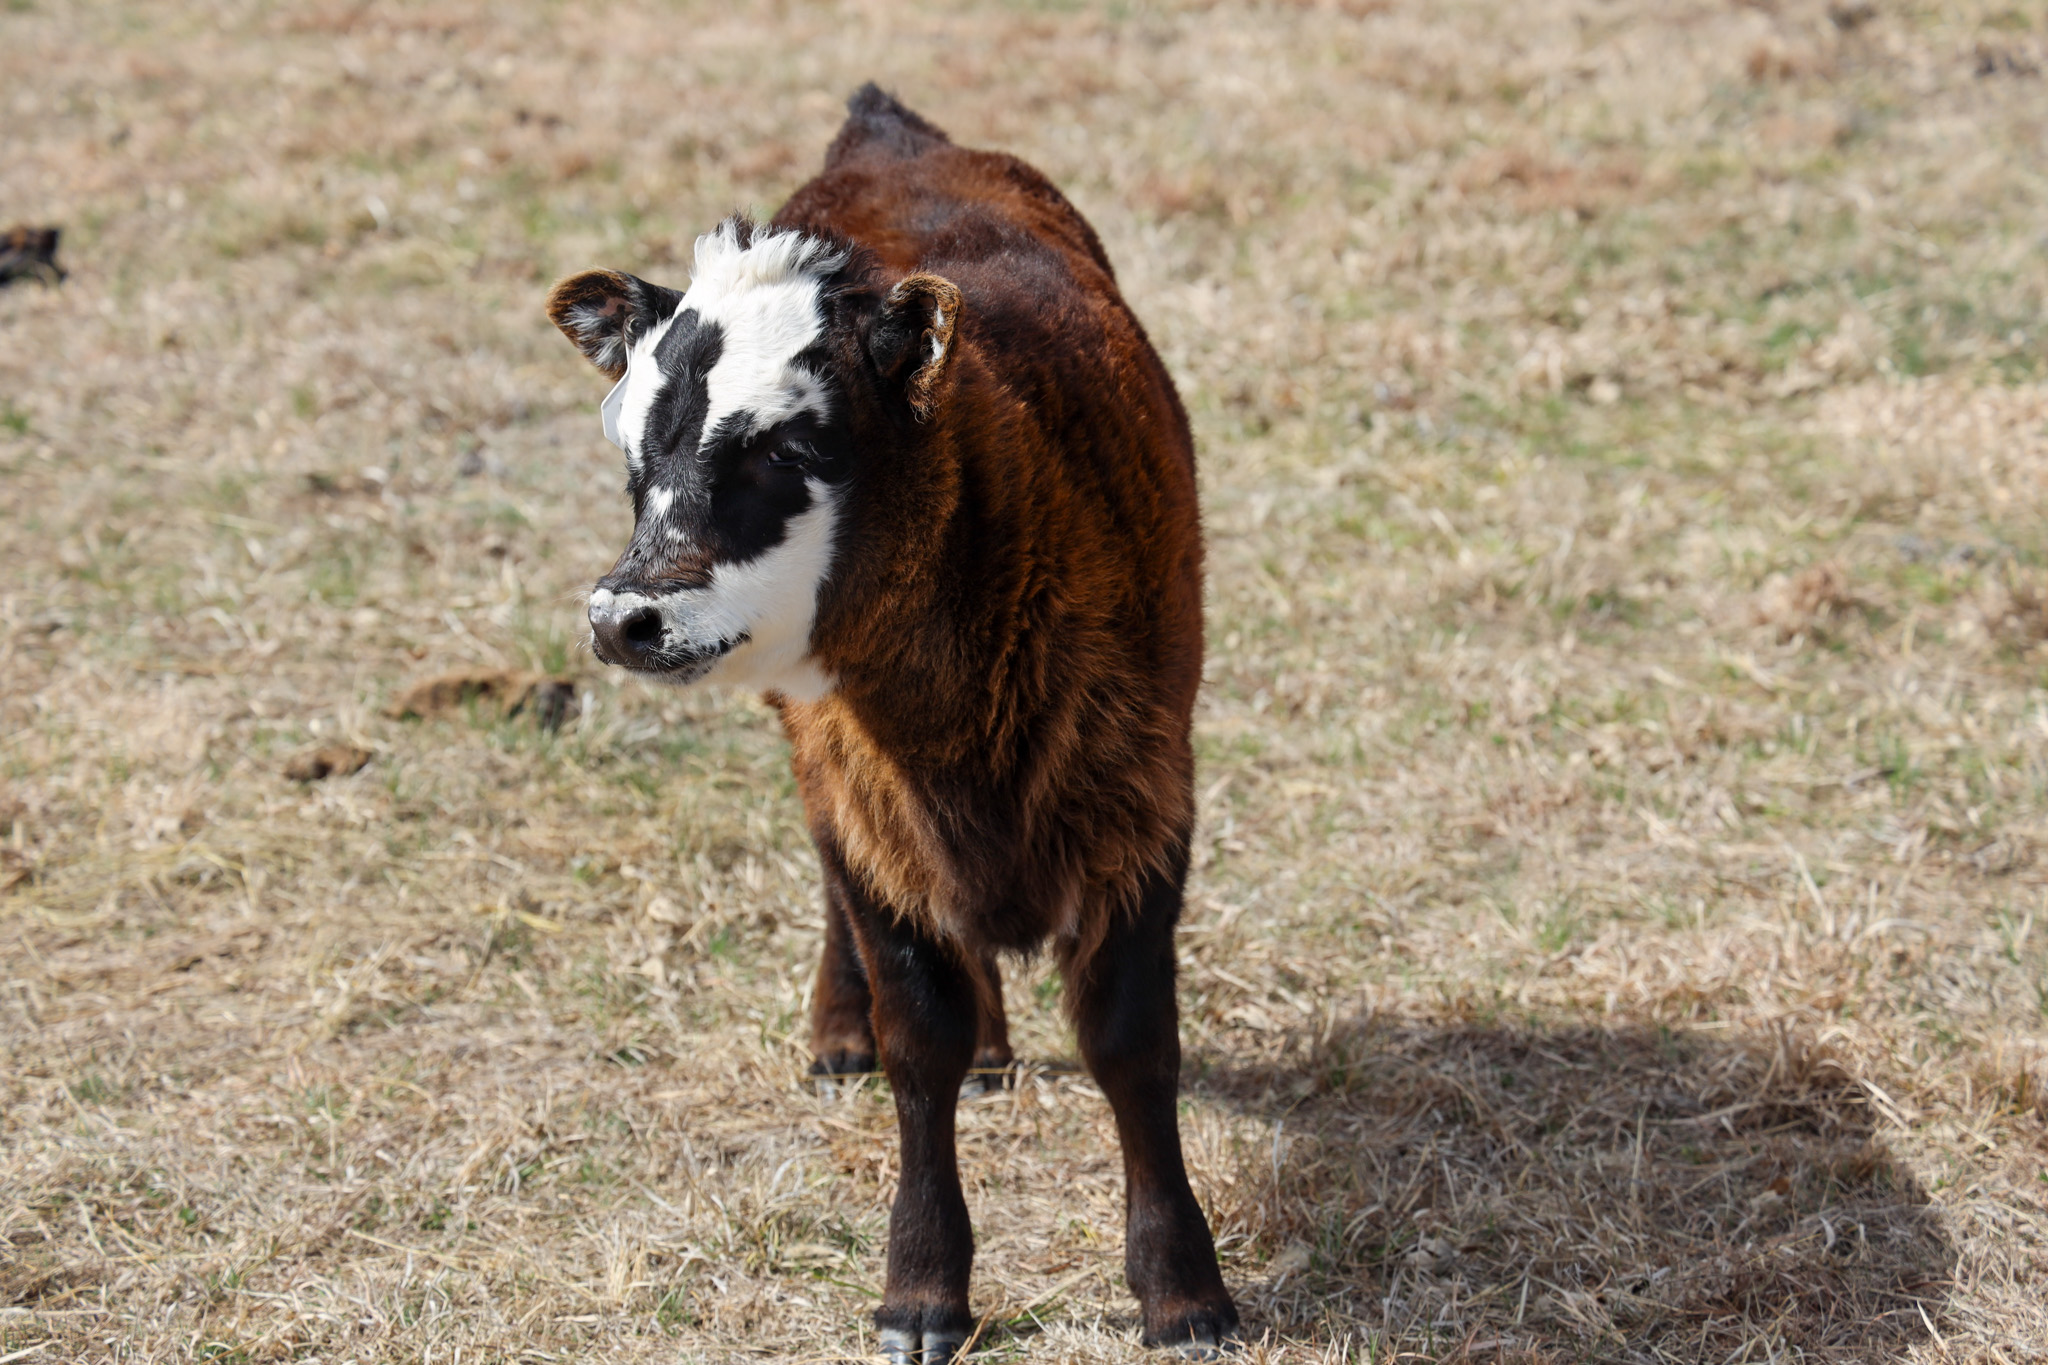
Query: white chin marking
(776, 594)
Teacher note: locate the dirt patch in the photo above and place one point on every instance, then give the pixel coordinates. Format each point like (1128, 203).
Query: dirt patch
(328, 760)
(549, 701)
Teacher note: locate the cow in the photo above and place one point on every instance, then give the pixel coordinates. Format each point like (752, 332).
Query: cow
(902, 459)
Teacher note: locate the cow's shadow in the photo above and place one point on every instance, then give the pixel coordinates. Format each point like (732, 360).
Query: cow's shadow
(1597, 1193)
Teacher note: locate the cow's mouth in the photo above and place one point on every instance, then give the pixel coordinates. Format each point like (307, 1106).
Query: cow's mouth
(677, 664)
(695, 662)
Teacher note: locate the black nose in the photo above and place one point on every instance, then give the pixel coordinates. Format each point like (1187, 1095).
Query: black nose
(631, 637)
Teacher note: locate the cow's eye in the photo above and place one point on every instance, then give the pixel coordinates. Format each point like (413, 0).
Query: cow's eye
(787, 456)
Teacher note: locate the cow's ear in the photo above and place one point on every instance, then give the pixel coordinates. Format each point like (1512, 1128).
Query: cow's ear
(604, 312)
(911, 339)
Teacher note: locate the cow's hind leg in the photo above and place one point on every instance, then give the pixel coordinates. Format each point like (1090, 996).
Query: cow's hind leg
(842, 1039)
(925, 1015)
(1128, 1025)
(992, 1055)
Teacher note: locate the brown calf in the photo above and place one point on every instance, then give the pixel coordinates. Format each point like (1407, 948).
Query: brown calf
(903, 459)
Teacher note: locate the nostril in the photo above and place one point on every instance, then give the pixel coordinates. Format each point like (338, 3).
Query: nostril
(642, 627)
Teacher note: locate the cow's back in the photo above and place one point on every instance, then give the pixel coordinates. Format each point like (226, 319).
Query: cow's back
(901, 188)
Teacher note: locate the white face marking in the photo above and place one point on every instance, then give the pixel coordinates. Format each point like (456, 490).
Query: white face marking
(635, 393)
(765, 300)
(778, 593)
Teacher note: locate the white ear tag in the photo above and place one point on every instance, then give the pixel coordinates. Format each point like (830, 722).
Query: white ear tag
(609, 410)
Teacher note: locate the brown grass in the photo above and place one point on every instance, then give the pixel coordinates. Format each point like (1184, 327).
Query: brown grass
(1625, 754)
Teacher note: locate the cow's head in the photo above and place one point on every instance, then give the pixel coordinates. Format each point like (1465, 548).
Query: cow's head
(746, 406)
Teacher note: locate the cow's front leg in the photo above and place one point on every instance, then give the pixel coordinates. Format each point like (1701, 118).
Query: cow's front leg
(925, 1016)
(842, 1039)
(1128, 1028)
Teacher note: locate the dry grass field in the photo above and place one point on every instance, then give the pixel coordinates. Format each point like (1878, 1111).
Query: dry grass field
(1620, 930)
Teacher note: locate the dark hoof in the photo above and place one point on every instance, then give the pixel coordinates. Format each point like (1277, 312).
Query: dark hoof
(931, 1335)
(991, 1072)
(900, 1347)
(1202, 1333)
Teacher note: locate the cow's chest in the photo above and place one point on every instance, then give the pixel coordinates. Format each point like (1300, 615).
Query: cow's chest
(884, 825)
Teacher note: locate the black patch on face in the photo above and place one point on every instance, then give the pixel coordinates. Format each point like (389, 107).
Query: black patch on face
(675, 420)
(758, 483)
(732, 494)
